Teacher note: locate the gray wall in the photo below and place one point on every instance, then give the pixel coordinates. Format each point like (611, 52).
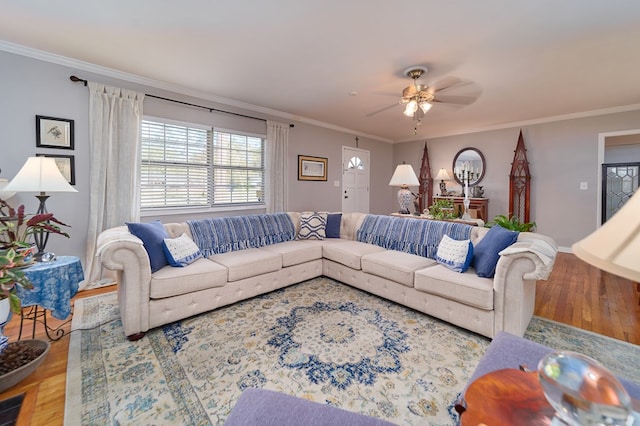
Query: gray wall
(31, 87)
(561, 154)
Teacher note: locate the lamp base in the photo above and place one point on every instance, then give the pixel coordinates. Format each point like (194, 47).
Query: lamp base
(443, 188)
(404, 199)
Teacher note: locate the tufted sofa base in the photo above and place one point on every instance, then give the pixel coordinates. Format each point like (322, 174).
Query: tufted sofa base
(482, 305)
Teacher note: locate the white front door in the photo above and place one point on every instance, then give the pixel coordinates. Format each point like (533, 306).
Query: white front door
(355, 180)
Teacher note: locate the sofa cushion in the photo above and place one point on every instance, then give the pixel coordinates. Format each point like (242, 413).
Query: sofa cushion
(181, 251)
(333, 225)
(199, 275)
(296, 252)
(485, 257)
(455, 254)
(395, 265)
(464, 287)
(312, 226)
(348, 252)
(152, 235)
(248, 263)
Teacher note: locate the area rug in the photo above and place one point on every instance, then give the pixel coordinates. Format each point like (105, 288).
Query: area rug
(320, 340)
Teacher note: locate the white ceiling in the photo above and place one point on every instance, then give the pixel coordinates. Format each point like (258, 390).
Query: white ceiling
(524, 60)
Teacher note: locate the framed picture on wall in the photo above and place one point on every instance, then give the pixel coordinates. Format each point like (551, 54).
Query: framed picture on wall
(54, 132)
(312, 168)
(66, 165)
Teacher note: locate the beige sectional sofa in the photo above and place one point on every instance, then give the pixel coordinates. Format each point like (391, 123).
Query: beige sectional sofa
(483, 305)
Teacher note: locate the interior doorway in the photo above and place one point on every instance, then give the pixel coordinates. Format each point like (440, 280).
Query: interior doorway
(355, 180)
(614, 147)
(619, 183)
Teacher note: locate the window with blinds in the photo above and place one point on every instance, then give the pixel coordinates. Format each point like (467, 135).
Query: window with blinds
(184, 166)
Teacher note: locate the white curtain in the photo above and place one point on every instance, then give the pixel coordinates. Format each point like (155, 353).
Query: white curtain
(276, 188)
(114, 137)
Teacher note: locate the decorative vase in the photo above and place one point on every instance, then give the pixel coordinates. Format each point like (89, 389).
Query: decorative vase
(5, 313)
(20, 359)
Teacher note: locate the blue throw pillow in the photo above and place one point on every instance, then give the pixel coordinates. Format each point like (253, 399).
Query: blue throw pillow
(486, 251)
(333, 225)
(152, 235)
(454, 254)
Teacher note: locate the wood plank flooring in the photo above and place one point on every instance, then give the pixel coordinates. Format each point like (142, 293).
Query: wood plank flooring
(576, 294)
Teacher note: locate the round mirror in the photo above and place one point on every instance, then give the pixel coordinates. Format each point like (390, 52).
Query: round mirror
(468, 162)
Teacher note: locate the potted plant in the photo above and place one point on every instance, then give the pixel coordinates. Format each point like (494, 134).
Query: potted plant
(16, 252)
(442, 210)
(513, 223)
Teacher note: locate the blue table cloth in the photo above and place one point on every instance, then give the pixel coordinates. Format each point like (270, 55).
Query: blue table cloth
(54, 284)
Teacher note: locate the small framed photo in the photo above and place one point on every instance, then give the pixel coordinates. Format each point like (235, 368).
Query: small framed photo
(66, 165)
(312, 168)
(54, 132)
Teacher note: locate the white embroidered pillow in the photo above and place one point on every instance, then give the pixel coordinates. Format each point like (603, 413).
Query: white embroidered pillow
(181, 251)
(312, 226)
(455, 254)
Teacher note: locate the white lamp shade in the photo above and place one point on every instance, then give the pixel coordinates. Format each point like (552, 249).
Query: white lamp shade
(615, 246)
(5, 195)
(443, 175)
(404, 176)
(39, 174)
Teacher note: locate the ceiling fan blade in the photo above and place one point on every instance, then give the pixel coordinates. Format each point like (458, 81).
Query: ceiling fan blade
(459, 100)
(448, 83)
(381, 110)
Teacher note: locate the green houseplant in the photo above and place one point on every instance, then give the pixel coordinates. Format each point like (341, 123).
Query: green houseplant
(512, 223)
(16, 251)
(442, 209)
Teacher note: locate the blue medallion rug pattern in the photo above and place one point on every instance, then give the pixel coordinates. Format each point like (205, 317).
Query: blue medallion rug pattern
(319, 340)
(339, 343)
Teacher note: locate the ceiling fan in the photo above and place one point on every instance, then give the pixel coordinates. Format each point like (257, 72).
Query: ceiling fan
(419, 98)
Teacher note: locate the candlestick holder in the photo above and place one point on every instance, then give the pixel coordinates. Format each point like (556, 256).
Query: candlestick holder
(466, 176)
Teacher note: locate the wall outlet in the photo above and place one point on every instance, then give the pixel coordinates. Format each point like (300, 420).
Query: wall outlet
(336, 183)
(584, 186)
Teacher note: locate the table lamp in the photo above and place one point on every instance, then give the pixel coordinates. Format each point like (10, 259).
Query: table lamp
(403, 177)
(442, 176)
(579, 388)
(40, 174)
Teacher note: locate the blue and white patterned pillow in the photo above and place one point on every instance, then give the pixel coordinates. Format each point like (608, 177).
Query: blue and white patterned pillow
(455, 254)
(312, 226)
(181, 251)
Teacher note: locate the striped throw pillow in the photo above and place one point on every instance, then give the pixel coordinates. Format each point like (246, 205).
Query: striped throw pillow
(312, 226)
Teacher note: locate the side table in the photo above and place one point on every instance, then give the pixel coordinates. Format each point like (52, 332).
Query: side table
(54, 284)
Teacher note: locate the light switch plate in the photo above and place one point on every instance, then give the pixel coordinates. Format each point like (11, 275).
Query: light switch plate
(336, 183)
(584, 186)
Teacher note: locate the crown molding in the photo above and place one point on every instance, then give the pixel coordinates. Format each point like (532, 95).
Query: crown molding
(137, 79)
(550, 119)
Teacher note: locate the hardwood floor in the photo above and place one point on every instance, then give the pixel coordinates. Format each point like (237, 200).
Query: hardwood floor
(576, 294)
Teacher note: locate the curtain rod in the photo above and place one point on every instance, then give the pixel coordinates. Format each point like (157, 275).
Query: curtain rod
(80, 80)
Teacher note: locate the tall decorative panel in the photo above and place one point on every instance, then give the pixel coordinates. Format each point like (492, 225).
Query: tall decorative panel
(426, 183)
(520, 184)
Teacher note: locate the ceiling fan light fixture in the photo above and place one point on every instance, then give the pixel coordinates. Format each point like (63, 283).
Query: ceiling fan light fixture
(425, 106)
(411, 108)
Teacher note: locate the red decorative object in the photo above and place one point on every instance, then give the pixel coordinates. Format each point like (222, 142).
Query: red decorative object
(520, 184)
(426, 183)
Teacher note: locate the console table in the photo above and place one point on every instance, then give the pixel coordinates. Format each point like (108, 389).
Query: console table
(481, 205)
(54, 284)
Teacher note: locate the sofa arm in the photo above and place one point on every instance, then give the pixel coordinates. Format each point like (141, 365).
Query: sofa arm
(539, 249)
(514, 283)
(124, 253)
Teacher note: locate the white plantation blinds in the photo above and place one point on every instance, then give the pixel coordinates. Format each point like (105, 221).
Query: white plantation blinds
(184, 166)
(238, 168)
